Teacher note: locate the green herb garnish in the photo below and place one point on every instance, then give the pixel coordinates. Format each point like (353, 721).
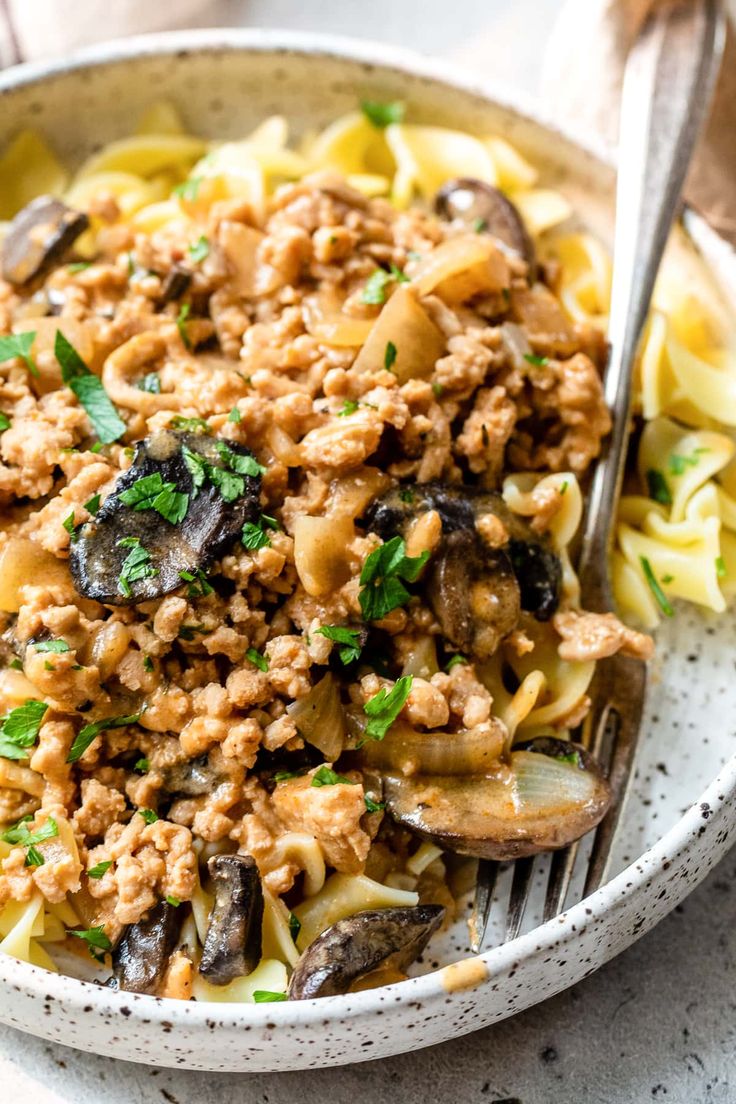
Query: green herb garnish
(679, 464)
(20, 729)
(148, 815)
(200, 249)
(265, 996)
(325, 776)
(181, 324)
(101, 868)
(658, 487)
(537, 361)
(86, 735)
(389, 357)
(295, 925)
(374, 291)
(373, 806)
(381, 577)
(142, 765)
(348, 407)
(151, 493)
(349, 639)
(136, 565)
(721, 570)
(19, 345)
(234, 416)
(95, 939)
(93, 504)
(383, 114)
(151, 382)
(188, 189)
(479, 225)
(383, 709)
(170, 898)
(106, 422)
(198, 587)
(78, 266)
(655, 588)
(51, 646)
(190, 425)
(257, 659)
(21, 834)
(4, 422)
(455, 661)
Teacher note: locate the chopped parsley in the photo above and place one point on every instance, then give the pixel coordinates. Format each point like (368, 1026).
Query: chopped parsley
(147, 664)
(437, 389)
(374, 291)
(265, 996)
(148, 815)
(136, 565)
(20, 833)
(200, 249)
(537, 361)
(181, 324)
(20, 729)
(142, 765)
(188, 632)
(170, 898)
(455, 661)
(4, 422)
(679, 464)
(190, 425)
(19, 345)
(78, 266)
(668, 578)
(95, 938)
(51, 646)
(188, 189)
(15, 665)
(406, 495)
(68, 524)
(389, 357)
(383, 114)
(326, 776)
(106, 422)
(151, 382)
(381, 577)
(295, 925)
(383, 709)
(234, 416)
(655, 588)
(658, 487)
(198, 588)
(101, 868)
(150, 492)
(86, 735)
(92, 504)
(563, 487)
(348, 407)
(721, 570)
(285, 775)
(479, 225)
(349, 639)
(257, 658)
(373, 806)
(254, 535)
(229, 480)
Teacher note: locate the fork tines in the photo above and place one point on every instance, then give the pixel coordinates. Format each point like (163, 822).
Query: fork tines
(610, 733)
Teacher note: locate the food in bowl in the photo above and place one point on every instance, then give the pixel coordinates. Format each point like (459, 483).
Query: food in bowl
(294, 451)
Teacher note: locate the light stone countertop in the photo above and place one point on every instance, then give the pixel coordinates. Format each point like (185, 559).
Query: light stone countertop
(658, 1023)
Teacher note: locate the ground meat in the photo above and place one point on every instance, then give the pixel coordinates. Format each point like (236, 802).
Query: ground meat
(486, 431)
(100, 807)
(587, 636)
(331, 814)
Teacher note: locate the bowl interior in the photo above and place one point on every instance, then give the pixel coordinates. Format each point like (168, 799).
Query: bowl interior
(223, 91)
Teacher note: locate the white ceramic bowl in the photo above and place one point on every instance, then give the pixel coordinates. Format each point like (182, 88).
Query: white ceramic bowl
(683, 806)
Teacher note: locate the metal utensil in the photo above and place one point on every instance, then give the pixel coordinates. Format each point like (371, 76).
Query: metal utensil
(668, 82)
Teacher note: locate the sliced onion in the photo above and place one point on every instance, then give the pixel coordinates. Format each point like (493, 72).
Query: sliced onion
(320, 718)
(325, 320)
(422, 659)
(240, 245)
(461, 267)
(321, 552)
(471, 751)
(404, 324)
(516, 344)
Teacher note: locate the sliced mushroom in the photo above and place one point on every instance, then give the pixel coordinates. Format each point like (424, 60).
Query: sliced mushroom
(190, 777)
(209, 526)
(475, 591)
(476, 203)
(174, 284)
(553, 793)
(354, 947)
(38, 237)
(232, 946)
(140, 960)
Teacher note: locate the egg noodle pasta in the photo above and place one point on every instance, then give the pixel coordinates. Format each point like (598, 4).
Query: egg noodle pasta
(346, 445)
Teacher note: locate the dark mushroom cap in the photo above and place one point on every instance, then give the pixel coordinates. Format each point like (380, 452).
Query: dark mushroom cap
(553, 794)
(175, 283)
(38, 237)
(141, 958)
(232, 946)
(475, 592)
(356, 946)
(210, 525)
(476, 203)
(189, 777)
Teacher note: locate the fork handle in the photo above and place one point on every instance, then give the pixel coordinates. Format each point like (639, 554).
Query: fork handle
(668, 82)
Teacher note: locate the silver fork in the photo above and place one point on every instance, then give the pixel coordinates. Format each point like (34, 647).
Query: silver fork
(668, 83)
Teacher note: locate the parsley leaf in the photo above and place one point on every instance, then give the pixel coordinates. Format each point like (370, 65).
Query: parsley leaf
(93, 504)
(93, 937)
(243, 465)
(235, 416)
(4, 422)
(136, 565)
(479, 225)
(142, 765)
(389, 357)
(325, 776)
(86, 735)
(348, 407)
(537, 361)
(68, 524)
(373, 806)
(151, 493)
(51, 646)
(455, 661)
(374, 291)
(78, 266)
(295, 925)
(257, 658)
(349, 638)
(721, 570)
(188, 189)
(655, 588)
(380, 578)
(399, 276)
(20, 729)
(106, 422)
(406, 495)
(20, 833)
(678, 464)
(181, 324)
(253, 537)
(100, 869)
(151, 382)
(198, 588)
(172, 900)
(658, 487)
(200, 249)
(383, 114)
(19, 345)
(265, 996)
(383, 709)
(230, 483)
(148, 815)
(190, 425)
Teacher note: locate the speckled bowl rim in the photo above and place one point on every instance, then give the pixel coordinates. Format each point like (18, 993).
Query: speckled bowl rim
(677, 841)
